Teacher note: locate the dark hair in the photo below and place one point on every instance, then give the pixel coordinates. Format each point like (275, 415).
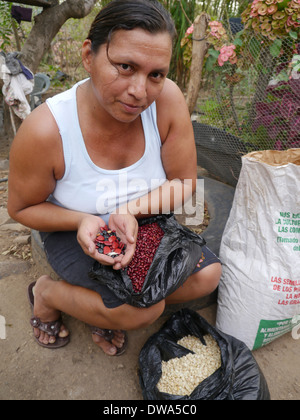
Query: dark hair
(149, 15)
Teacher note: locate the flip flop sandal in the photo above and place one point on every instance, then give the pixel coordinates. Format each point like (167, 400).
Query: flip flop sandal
(108, 335)
(51, 328)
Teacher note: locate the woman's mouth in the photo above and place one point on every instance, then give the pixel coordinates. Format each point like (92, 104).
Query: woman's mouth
(131, 109)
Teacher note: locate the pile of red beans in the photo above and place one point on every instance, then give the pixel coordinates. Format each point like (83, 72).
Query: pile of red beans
(148, 239)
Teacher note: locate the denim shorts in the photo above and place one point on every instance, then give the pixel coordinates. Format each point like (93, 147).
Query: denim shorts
(71, 264)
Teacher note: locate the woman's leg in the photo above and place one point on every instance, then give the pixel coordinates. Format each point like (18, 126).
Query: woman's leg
(53, 297)
(198, 285)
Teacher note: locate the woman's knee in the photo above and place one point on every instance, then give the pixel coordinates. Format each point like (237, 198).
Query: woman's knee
(209, 277)
(132, 318)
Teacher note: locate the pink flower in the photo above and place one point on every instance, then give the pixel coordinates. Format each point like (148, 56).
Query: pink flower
(220, 61)
(291, 22)
(272, 9)
(266, 26)
(227, 53)
(279, 15)
(190, 30)
(215, 25)
(216, 29)
(262, 10)
(228, 48)
(233, 59)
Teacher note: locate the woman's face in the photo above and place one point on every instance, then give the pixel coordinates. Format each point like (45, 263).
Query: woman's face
(128, 78)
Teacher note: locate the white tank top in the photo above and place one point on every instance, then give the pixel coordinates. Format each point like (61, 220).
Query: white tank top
(85, 186)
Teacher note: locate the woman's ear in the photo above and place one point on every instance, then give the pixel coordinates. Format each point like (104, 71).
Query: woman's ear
(86, 54)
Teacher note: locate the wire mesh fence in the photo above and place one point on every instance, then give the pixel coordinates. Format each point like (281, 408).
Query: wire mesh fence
(252, 104)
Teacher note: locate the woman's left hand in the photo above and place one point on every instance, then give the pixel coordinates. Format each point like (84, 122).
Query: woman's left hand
(126, 227)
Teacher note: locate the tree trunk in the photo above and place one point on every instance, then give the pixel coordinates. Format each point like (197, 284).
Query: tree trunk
(46, 26)
(198, 53)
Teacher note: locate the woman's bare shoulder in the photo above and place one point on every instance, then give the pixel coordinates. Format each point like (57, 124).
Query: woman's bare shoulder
(40, 123)
(170, 92)
(171, 108)
(38, 139)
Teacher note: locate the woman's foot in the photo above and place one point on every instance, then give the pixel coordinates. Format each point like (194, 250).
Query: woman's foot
(112, 342)
(44, 313)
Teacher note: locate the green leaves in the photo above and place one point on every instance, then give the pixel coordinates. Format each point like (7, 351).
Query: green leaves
(293, 35)
(211, 59)
(238, 42)
(282, 4)
(275, 48)
(5, 25)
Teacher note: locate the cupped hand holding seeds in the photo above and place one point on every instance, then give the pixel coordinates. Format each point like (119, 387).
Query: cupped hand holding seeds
(126, 228)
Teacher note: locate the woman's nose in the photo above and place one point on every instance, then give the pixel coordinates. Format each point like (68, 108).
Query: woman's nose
(138, 87)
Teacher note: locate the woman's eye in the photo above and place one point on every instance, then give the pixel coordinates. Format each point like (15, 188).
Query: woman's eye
(157, 76)
(125, 67)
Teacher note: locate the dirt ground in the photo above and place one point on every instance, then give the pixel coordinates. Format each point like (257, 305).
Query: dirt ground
(80, 371)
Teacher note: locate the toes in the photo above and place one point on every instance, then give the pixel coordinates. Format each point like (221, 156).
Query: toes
(105, 345)
(36, 332)
(43, 337)
(119, 338)
(52, 339)
(110, 347)
(63, 332)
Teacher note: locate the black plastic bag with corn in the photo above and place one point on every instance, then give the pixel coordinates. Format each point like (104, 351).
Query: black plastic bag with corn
(238, 378)
(174, 260)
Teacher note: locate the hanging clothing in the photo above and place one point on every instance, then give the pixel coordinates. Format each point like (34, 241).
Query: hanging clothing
(15, 88)
(12, 63)
(21, 13)
(27, 73)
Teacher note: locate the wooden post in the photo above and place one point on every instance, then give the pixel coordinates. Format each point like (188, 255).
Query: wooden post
(198, 53)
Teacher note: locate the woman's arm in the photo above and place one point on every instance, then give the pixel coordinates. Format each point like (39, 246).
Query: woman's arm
(36, 162)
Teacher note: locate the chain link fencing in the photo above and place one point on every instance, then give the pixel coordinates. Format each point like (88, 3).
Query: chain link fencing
(252, 105)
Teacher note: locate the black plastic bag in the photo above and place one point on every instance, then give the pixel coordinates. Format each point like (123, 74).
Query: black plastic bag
(176, 257)
(238, 378)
